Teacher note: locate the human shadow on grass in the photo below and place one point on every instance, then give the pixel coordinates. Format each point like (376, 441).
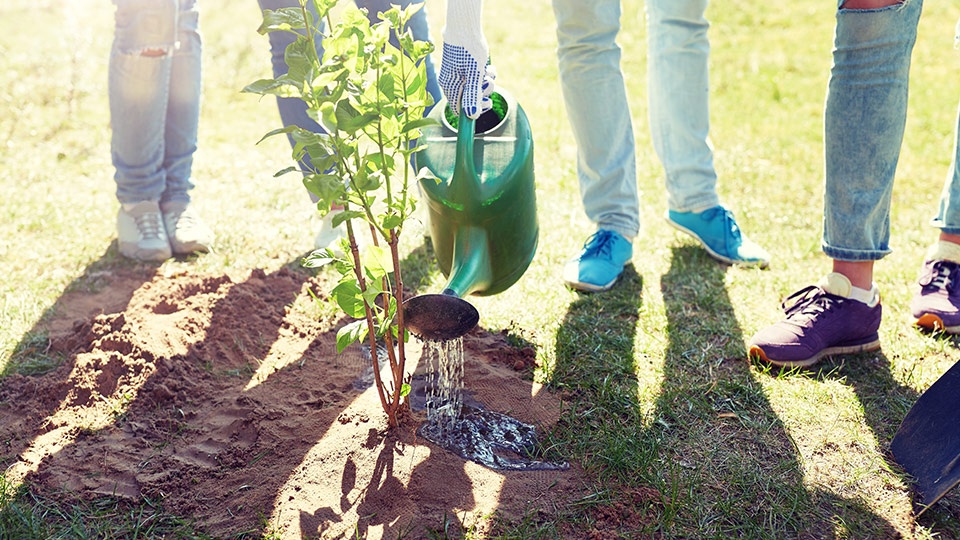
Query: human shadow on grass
(704, 439)
(886, 401)
(720, 441)
(596, 373)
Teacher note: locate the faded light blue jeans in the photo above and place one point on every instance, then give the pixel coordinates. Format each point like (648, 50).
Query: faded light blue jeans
(864, 119)
(154, 94)
(595, 97)
(293, 111)
(864, 123)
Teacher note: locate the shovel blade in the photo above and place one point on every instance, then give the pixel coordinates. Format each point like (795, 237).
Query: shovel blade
(927, 444)
(439, 317)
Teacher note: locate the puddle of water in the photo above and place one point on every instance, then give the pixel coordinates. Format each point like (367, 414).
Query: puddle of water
(461, 425)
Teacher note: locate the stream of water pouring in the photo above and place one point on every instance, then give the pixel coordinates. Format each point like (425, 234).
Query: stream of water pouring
(486, 437)
(444, 383)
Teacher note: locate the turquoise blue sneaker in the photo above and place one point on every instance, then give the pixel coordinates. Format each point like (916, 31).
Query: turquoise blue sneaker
(600, 263)
(717, 230)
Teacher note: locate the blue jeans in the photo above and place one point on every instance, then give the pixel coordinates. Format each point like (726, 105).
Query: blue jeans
(293, 111)
(154, 93)
(864, 121)
(596, 102)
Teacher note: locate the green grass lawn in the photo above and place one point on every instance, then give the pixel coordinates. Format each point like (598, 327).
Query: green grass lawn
(658, 390)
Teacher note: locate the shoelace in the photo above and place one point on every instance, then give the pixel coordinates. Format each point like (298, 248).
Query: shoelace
(185, 220)
(600, 244)
(727, 217)
(810, 302)
(942, 276)
(149, 224)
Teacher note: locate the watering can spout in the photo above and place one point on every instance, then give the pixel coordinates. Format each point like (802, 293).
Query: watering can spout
(471, 269)
(446, 316)
(440, 317)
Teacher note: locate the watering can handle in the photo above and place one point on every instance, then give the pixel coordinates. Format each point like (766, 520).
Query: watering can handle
(465, 167)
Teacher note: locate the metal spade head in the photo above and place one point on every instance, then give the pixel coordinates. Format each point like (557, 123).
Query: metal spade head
(439, 317)
(927, 445)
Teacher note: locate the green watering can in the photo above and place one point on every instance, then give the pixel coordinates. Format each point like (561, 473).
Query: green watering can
(482, 211)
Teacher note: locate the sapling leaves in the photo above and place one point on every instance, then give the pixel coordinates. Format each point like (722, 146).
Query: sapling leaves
(318, 258)
(417, 124)
(349, 297)
(368, 98)
(346, 215)
(274, 87)
(327, 187)
(299, 57)
(278, 131)
(377, 262)
(289, 19)
(282, 172)
(391, 221)
(351, 333)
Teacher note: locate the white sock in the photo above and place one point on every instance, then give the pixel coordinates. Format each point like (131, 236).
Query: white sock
(838, 284)
(869, 296)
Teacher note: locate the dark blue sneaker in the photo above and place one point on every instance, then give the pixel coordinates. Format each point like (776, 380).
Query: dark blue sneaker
(600, 263)
(717, 230)
(821, 321)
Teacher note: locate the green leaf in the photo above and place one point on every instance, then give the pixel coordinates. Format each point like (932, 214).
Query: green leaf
(282, 172)
(346, 215)
(382, 161)
(351, 333)
(391, 16)
(391, 221)
(278, 131)
(404, 390)
(323, 6)
(374, 290)
(327, 187)
(347, 295)
(417, 124)
(350, 120)
(369, 181)
(355, 18)
(318, 258)
(343, 49)
(285, 19)
(377, 261)
(408, 12)
(265, 87)
(330, 79)
(301, 61)
(328, 117)
(387, 87)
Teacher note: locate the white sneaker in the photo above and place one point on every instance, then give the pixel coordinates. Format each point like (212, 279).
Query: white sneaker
(140, 232)
(188, 233)
(329, 236)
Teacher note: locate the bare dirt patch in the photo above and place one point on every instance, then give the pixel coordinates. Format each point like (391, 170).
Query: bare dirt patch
(210, 395)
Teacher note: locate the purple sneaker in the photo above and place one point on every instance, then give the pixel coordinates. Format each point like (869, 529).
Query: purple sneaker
(818, 324)
(937, 306)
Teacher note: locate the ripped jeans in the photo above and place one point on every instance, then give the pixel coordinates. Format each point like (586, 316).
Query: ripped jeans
(154, 93)
(864, 121)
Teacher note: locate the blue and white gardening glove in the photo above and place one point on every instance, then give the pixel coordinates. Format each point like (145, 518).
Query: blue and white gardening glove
(466, 76)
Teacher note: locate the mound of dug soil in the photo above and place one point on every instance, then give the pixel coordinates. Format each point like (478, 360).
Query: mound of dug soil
(211, 396)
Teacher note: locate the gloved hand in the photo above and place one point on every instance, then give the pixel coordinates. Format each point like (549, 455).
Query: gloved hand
(466, 76)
